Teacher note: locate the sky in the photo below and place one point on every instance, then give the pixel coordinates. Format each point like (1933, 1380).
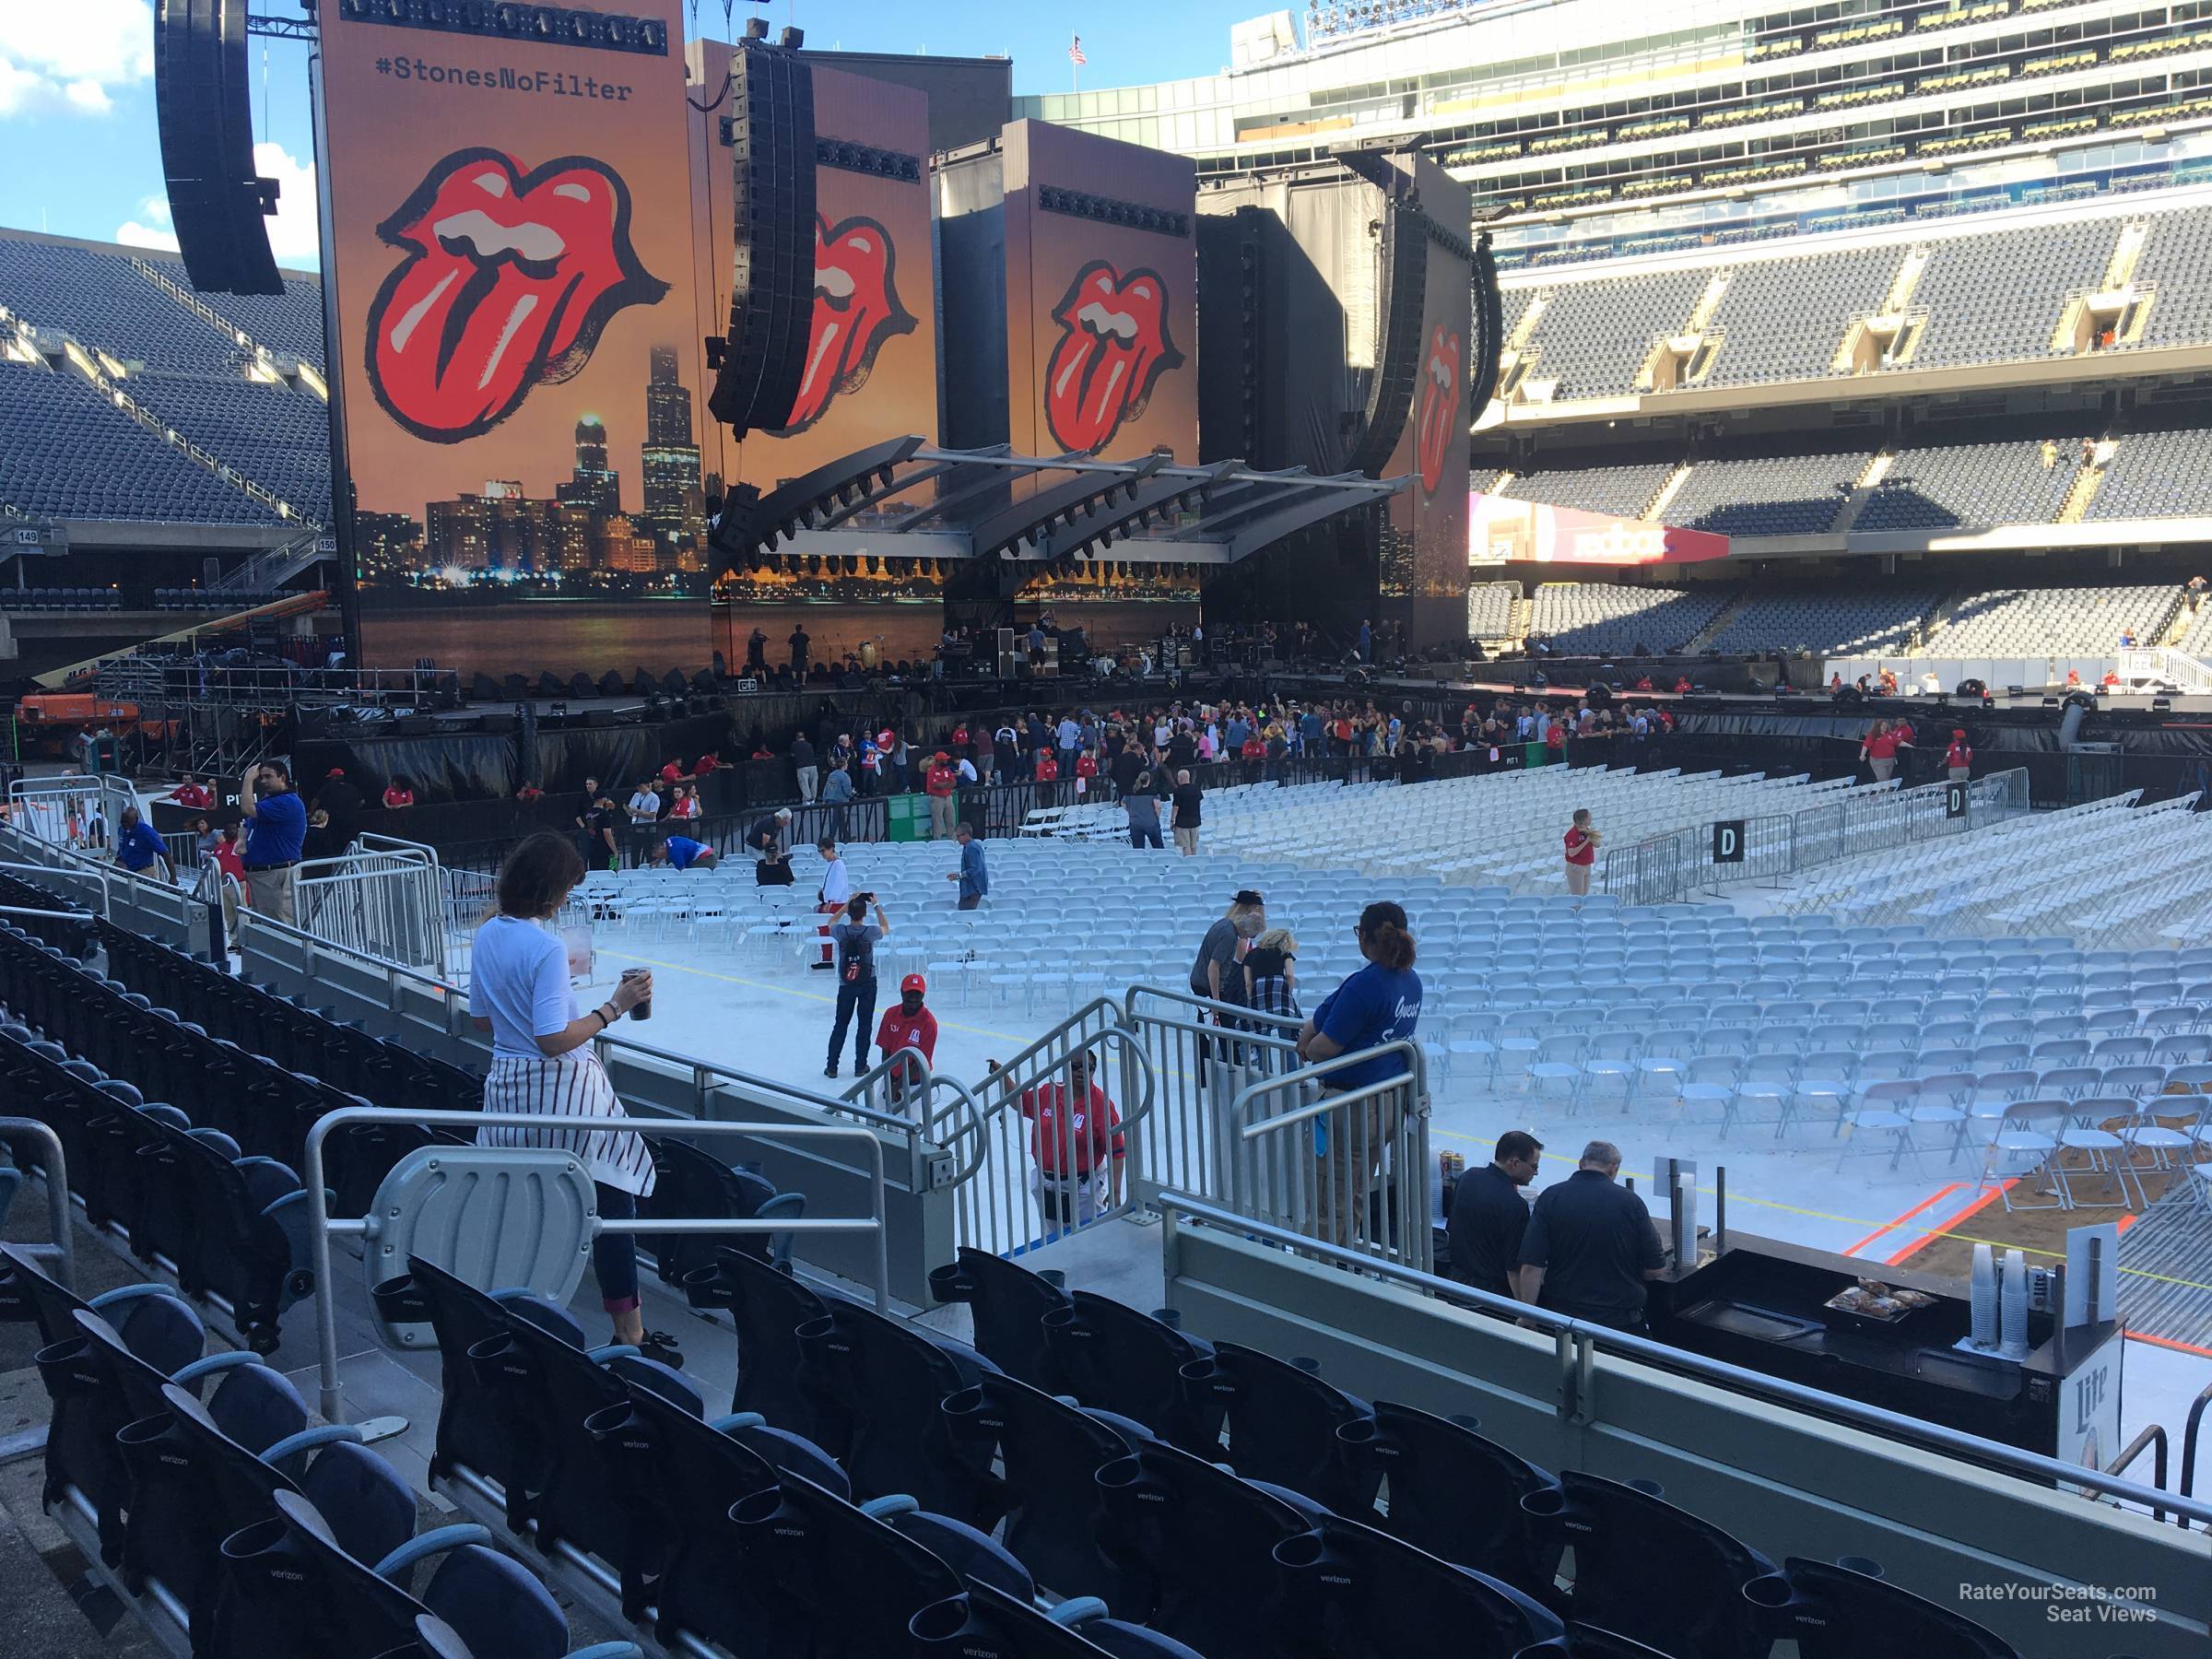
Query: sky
(76, 90)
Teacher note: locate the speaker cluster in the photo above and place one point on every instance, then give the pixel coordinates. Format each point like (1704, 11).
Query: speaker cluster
(1136, 216)
(203, 110)
(517, 20)
(763, 356)
(848, 157)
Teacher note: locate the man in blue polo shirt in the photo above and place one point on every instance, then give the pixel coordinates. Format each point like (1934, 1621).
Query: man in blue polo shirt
(277, 823)
(137, 847)
(684, 852)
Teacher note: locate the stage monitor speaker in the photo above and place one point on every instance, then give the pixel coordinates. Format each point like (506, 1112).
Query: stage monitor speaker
(501, 725)
(771, 288)
(202, 106)
(1404, 295)
(598, 717)
(416, 725)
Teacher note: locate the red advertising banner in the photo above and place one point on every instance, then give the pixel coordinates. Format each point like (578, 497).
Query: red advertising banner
(1507, 532)
(509, 240)
(1102, 294)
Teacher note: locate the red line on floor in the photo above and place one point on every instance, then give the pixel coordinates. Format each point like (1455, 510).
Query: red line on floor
(1948, 1222)
(2169, 1342)
(1934, 1198)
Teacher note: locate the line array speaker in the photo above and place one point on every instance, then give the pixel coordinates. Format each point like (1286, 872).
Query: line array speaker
(771, 291)
(1397, 368)
(204, 108)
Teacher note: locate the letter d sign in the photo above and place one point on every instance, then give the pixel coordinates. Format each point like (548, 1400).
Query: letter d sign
(1728, 841)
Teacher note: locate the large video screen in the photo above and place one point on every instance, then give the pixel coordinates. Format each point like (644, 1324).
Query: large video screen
(511, 246)
(1102, 294)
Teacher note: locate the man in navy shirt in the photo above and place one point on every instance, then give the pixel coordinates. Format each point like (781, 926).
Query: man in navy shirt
(137, 847)
(277, 825)
(1590, 1245)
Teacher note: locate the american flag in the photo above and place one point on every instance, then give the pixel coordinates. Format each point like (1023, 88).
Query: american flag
(1074, 52)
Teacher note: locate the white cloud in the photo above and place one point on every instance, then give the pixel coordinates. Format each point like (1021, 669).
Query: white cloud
(293, 233)
(133, 234)
(73, 56)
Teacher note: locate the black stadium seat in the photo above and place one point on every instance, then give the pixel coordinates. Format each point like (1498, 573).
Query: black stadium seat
(1045, 1451)
(768, 1305)
(1200, 1546)
(1007, 1303)
(887, 1377)
(690, 1181)
(1453, 1492)
(1110, 1356)
(1283, 1421)
(1842, 1610)
(1354, 1592)
(1651, 1571)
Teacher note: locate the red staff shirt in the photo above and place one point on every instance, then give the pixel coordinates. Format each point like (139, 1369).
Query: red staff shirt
(190, 794)
(1581, 847)
(1048, 770)
(1882, 745)
(940, 779)
(1072, 1143)
(399, 798)
(1959, 754)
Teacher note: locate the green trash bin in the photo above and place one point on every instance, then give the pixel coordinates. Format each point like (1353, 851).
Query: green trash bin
(909, 818)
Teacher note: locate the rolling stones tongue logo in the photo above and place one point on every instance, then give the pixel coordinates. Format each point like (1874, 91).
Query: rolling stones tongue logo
(510, 280)
(1113, 345)
(1437, 416)
(856, 309)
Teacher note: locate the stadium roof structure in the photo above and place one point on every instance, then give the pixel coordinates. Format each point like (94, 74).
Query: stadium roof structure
(907, 497)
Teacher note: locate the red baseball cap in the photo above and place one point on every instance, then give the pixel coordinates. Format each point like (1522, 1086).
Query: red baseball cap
(913, 981)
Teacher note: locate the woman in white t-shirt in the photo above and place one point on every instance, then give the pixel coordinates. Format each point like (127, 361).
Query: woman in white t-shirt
(542, 1060)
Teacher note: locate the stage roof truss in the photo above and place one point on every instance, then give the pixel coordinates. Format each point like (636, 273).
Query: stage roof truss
(907, 497)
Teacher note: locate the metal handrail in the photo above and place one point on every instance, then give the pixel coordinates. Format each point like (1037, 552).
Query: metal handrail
(1283, 1023)
(2154, 1437)
(1239, 1107)
(2188, 1431)
(57, 1193)
(323, 1224)
(1585, 1337)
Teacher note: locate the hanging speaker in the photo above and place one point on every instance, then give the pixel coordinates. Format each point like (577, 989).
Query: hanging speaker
(203, 108)
(771, 288)
(1397, 367)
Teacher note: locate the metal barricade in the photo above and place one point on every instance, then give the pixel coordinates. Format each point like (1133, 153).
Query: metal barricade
(77, 811)
(389, 903)
(1203, 1053)
(1351, 1168)
(1655, 870)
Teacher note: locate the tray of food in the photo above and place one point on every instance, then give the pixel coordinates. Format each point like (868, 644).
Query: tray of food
(1871, 1302)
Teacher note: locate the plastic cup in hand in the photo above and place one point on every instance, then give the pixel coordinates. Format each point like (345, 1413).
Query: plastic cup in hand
(644, 1009)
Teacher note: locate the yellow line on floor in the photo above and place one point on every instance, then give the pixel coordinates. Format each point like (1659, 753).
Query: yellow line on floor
(735, 979)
